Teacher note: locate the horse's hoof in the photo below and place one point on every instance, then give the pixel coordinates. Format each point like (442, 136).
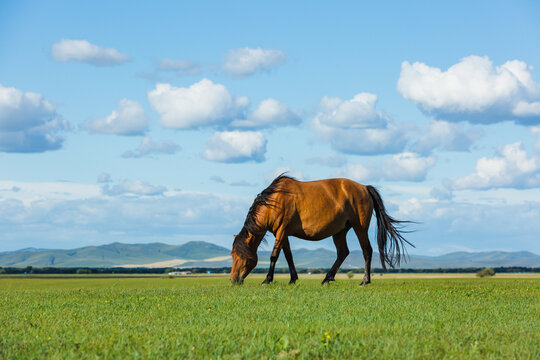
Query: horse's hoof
(292, 282)
(266, 282)
(364, 283)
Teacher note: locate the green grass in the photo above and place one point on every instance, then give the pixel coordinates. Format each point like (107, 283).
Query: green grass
(208, 318)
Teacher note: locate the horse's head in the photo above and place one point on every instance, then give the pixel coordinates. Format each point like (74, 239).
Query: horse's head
(244, 254)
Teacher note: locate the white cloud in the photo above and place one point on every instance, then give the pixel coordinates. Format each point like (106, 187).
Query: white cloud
(511, 168)
(183, 67)
(358, 172)
(133, 188)
(355, 127)
(28, 122)
(269, 113)
(401, 167)
(473, 90)
(84, 51)
(202, 104)
(445, 136)
(236, 146)
(247, 61)
(148, 147)
(128, 119)
(206, 104)
(407, 167)
(524, 108)
(357, 113)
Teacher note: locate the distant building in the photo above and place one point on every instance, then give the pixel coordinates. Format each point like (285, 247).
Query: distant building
(179, 273)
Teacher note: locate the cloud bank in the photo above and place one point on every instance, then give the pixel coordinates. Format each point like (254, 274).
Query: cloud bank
(123, 216)
(133, 188)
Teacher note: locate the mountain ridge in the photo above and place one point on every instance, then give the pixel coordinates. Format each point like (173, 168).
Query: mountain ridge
(205, 254)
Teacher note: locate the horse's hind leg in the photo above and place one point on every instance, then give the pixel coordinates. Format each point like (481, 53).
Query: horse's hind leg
(290, 262)
(340, 240)
(363, 238)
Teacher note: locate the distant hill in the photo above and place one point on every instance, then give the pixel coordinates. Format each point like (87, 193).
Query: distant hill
(203, 254)
(115, 254)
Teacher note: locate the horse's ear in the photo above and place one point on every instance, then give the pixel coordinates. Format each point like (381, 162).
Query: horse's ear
(235, 236)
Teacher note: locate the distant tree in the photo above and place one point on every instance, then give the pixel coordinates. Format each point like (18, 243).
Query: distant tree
(2, 271)
(485, 272)
(350, 274)
(169, 270)
(83, 271)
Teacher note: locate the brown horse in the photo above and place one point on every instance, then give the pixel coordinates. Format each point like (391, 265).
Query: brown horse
(315, 210)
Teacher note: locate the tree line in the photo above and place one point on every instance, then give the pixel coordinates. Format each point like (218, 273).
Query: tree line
(197, 270)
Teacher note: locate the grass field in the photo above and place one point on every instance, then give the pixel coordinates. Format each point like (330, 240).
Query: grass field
(393, 318)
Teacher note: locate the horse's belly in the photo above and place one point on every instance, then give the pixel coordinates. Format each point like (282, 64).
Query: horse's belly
(320, 230)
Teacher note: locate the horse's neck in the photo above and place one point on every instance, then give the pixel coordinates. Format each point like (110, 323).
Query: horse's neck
(266, 220)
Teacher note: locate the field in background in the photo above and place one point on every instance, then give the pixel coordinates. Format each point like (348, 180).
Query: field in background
(397, 316)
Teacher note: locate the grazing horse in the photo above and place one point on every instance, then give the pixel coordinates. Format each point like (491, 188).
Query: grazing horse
(315, 210)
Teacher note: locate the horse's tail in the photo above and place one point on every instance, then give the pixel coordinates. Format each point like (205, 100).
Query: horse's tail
(392, 251)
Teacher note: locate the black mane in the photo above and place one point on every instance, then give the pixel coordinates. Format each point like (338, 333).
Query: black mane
(250, 225)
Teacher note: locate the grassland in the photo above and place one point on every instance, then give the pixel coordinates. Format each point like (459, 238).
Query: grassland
(393, 318)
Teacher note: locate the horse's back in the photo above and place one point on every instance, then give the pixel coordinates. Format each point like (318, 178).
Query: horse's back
(338, 190)
(325, 206)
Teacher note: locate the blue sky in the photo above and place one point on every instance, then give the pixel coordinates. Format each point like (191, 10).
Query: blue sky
(141, 122)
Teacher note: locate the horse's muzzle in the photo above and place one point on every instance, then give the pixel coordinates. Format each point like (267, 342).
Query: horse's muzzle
(237, 281)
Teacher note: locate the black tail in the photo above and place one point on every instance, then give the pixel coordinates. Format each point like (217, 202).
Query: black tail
(391, 251)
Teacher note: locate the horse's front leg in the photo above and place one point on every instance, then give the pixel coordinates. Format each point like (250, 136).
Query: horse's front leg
(274, 257)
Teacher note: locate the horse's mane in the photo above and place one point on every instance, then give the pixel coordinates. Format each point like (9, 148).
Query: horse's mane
(250, 225)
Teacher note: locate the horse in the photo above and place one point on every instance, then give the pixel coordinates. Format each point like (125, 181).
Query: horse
(315, 210)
